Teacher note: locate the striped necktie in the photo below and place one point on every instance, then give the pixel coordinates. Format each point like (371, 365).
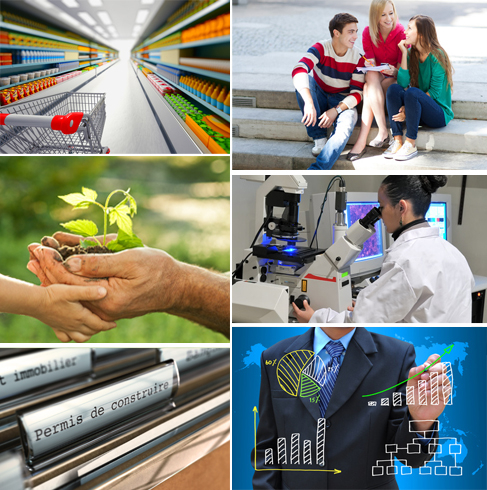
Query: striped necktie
(335, 349)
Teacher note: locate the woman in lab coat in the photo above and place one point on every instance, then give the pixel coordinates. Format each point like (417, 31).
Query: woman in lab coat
(423, 278)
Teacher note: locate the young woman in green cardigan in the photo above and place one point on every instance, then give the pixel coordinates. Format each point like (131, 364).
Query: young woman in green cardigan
(427, 71)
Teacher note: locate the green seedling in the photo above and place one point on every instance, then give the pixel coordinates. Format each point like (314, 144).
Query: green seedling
(121, 215)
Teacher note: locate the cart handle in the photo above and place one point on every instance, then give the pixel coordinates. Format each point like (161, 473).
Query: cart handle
(67, 124)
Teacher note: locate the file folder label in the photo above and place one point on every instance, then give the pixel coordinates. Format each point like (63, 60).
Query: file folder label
(60, 424)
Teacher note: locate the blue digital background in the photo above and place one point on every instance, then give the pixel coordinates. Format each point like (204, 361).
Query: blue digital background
(465, 419)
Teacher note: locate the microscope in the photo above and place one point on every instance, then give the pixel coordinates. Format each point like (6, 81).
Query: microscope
(279, 271)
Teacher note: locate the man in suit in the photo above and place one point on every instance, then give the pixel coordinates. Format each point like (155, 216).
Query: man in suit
(356, 362)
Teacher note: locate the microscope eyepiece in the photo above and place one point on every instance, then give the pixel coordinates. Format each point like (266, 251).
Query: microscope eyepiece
(371, 217)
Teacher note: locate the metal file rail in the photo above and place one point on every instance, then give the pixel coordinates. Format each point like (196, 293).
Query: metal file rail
(198, 424)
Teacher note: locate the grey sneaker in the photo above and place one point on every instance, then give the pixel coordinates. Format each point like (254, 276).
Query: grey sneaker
(394, 147)
(406, 152)
(319, 145)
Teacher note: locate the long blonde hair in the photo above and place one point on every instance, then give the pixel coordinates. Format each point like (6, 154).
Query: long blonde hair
(375, 13)
(429, 40)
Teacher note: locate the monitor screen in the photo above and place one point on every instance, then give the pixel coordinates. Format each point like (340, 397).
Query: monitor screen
(372, 248)
(436, 216)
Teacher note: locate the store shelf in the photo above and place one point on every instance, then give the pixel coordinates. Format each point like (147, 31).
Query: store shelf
(207, 73)
(193, 44)
(3, 87)
(46, 35)
(185, 23)
(212, 108)
(25, 65)
(68, 86)
(181, 136)
(22, 46)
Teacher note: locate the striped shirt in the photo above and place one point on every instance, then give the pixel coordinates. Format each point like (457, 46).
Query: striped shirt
(334, 74)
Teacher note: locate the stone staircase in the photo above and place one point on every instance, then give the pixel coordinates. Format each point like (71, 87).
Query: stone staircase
(268, 134)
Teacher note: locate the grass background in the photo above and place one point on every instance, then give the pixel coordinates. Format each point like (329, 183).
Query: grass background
(183, 208)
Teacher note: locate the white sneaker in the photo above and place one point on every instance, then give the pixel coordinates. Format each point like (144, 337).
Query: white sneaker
(406, 152)
(319, 145)
(394, 147)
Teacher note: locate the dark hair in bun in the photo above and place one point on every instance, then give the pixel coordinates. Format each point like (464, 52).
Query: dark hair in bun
(414, 188)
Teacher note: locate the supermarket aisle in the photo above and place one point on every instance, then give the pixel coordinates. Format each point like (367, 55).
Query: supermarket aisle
(130, 127)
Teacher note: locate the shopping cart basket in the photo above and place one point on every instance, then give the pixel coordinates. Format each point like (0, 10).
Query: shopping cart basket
(69, 122)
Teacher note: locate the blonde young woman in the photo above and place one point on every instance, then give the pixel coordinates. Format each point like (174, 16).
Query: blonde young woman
(427, 71)
(380, 42)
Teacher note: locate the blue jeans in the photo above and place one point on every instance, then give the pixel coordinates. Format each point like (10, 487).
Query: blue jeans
(420, 109)
(342, 127)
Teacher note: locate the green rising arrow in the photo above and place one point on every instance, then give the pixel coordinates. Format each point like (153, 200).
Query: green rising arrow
(447, 351)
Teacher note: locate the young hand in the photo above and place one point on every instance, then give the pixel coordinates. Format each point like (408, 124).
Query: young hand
(303, 316)
(309, 114)
(402, 46)
(392, 71)
(328, 118)
(400, 116)
(60, 307)
(422, 413)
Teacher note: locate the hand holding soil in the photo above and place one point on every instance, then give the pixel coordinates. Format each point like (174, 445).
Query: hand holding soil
(138, 281)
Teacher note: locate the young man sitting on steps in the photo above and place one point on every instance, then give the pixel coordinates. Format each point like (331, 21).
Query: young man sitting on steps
(327, 82)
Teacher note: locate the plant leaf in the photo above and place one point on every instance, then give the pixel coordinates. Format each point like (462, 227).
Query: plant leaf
(88, 243)
(120, 215)
(124, 242)
(81, 227)
(133, 206)
(90, 194)
(80, 201)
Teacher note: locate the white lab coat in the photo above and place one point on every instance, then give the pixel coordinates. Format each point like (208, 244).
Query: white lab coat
(424, 279)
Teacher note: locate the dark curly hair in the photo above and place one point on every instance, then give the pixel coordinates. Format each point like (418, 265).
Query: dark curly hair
(340, 21)
(414, 188)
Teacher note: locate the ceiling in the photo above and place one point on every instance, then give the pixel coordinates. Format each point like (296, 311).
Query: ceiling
(107, 20)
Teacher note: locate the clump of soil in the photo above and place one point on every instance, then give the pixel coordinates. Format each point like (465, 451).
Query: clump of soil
(66, 251)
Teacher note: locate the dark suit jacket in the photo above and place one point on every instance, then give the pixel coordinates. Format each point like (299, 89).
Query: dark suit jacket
(356, 433)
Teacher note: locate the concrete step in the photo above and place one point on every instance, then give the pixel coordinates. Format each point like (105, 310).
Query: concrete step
(465, 105)
(265, 154)
(461, 135)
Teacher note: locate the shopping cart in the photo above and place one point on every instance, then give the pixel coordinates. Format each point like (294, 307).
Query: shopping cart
(64, 123)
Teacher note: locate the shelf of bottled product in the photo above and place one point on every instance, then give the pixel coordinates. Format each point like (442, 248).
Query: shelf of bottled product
(185, 23)
(47, 35)
(212, 108)
(193, 44)
(187, 92)
(3, 87)
(25, 65)
(224, 77)
(182, 137)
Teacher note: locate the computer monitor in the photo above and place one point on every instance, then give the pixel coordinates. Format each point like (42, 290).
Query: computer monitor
(358, 205)
(439, 215)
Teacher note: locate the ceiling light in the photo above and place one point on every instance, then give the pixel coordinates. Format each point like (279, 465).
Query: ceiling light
(99, 29)
(111, 30)
(96, 3)
(105, 17)
(87, 18)
(147, 2)
(137, 29)
(45, 3)
(72, 4)
(68, 18)
(141, 16)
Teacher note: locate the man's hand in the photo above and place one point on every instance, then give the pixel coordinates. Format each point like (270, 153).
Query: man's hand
(401, 116)
(303, 316)
(309, 114)
(138, 281)
(428, 411)
(328, 118)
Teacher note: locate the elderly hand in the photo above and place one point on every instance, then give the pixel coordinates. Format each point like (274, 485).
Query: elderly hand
(138, 281)
(428, 411)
